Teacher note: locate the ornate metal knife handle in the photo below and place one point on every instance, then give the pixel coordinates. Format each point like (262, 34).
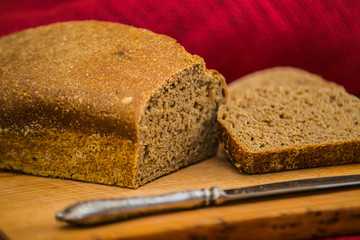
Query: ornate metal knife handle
(106, 210)
(100, 211)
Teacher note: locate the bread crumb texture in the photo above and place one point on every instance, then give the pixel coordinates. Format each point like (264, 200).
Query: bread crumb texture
(275, 128)
(277, 76)
(74, 97)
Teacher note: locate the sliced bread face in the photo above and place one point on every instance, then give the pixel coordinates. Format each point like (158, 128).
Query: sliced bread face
(276, 128)
(277, 76)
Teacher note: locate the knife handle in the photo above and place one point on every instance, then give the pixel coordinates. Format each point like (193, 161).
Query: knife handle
(106, 210)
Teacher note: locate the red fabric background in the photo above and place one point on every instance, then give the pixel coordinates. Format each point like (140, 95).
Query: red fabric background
(234, 37)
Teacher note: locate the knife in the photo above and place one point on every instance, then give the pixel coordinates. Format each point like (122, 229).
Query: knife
(100, 211)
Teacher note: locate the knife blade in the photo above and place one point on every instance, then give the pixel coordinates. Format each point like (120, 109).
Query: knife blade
(91, 212)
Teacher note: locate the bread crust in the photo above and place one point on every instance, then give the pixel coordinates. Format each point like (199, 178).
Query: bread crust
(101, 74)
(71, 155)
(291, 158)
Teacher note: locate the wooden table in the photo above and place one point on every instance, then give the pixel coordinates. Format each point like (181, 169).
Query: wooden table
(28, 205)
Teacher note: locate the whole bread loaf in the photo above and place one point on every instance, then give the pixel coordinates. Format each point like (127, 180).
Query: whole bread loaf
(277, 76)
(105, 103)
(275, 128)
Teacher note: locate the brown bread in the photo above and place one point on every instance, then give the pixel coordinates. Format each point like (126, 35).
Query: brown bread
(276, 128)
(105, 103)
(277, 76)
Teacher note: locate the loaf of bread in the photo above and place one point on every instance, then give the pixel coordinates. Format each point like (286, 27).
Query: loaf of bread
(104, 103)
(277, 76)
(276, 128)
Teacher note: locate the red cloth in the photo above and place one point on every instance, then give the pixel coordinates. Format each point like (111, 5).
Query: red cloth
(234, 37)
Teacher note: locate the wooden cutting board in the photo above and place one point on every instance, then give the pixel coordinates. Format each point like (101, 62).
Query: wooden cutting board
(28, 205)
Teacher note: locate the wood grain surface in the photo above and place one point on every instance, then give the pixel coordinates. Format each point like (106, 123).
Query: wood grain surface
(28, 205)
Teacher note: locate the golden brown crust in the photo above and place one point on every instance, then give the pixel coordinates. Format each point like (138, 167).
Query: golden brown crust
(309, 156)
(102, 73)
(69, 154)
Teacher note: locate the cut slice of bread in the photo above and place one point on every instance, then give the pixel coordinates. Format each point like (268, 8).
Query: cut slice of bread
(276, 128)
(277, 76)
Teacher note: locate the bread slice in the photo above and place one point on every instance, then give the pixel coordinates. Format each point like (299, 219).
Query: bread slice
(105, 103)
(276, 128)
(277, 76)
